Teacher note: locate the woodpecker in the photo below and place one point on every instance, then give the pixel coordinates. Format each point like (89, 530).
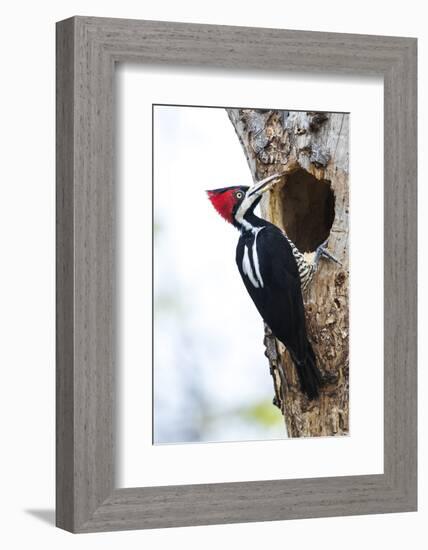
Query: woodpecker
(274, 272)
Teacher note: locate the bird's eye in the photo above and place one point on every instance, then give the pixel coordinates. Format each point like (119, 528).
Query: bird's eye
(239, 195)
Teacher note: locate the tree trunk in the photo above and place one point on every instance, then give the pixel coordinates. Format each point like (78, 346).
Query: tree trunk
(310, 205)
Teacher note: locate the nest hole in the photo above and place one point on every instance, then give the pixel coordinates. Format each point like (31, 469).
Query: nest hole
(307, 210)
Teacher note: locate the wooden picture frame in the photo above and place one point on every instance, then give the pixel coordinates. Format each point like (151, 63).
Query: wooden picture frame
(87, 50)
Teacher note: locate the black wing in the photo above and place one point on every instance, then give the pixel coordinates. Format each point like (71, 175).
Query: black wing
(277, 293)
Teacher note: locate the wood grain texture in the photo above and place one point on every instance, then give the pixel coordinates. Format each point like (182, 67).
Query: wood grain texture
(87, 49)
(64, 279)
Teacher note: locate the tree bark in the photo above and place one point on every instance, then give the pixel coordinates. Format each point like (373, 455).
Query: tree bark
(310, 205)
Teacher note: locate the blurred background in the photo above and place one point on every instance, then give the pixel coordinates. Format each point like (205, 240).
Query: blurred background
(211, 378)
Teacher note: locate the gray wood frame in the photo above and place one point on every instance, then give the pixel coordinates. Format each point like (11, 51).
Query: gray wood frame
(87, 50)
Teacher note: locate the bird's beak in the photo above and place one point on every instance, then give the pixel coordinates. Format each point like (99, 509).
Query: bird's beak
(263, 185)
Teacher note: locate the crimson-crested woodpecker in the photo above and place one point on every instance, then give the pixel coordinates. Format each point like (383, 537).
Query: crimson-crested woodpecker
(274, 273)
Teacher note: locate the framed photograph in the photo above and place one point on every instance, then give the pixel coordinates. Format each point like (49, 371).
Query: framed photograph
(236, 274)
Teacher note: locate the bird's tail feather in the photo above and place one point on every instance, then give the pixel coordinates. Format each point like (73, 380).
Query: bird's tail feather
(309, 375)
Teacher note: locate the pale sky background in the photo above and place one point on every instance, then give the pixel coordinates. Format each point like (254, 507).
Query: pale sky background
(211, 377)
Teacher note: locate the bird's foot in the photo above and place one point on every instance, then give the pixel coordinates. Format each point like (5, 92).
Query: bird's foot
(322, 251)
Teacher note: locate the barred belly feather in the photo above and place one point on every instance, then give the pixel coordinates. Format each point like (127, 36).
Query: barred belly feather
(306, 270)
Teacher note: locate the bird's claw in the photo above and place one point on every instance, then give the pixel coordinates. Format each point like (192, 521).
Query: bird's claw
(323, 252)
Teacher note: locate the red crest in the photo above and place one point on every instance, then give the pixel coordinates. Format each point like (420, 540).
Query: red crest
(223, 201)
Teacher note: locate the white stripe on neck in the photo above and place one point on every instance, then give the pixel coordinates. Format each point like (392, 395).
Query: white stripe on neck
(242, 210)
